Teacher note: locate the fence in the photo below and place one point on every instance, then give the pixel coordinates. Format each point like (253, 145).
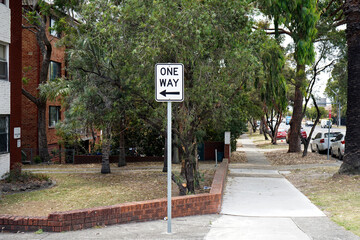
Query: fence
(32, 155)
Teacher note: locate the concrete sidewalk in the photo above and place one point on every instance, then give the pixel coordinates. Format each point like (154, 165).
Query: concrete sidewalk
(258, 204)
(261, 204)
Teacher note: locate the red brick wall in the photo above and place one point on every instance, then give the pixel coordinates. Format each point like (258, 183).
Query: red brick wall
(208, 203)
(31, 66)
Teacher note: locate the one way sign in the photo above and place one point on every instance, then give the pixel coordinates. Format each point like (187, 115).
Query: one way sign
(169, 82)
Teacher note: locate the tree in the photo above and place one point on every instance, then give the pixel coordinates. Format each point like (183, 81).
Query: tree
(208, 38)
(299, 19)
(351, 162)
(37, 15)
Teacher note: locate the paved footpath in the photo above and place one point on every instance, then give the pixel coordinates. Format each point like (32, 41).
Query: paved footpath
(258, 204)
(261, 204)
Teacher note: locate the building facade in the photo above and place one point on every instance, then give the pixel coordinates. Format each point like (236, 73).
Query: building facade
(10, 84)
(32, 58)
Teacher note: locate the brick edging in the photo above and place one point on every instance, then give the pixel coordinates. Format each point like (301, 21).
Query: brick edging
(207, 203)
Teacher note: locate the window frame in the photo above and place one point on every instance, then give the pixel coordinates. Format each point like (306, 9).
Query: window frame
(4, 61)
(58, 116)
(51, 67)
(7, 132)
(53, 32)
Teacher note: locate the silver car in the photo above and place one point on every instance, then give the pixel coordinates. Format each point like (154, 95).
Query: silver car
(320, 141)
(338, 146)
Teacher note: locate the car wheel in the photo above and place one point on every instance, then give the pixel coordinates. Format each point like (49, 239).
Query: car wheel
(340, 155)
(318, 150)
(312, 150)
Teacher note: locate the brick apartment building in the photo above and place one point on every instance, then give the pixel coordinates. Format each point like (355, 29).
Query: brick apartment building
(10, 84)
(31, 63)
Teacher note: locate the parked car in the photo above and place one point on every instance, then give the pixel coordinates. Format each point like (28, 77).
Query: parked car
(309, 123)
(326, 123)
(320, 142)
(338, 146)
(303, 134)
(281, 134)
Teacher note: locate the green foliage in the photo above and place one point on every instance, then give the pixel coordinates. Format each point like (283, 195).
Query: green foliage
(312, 113)
(37, 159)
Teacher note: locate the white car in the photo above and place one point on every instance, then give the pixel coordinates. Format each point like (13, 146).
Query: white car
(325, 123)
(338, 146)
(320, 141)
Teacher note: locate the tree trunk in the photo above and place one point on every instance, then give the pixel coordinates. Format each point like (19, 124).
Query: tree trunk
(122, 158)
(106, 141)
(295, 123)
(175, 150)
(351, 161)
(42, 138)
(306, 141)
(189, 174)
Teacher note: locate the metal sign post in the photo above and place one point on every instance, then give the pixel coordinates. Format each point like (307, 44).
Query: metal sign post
(169, 87)
(169, 165)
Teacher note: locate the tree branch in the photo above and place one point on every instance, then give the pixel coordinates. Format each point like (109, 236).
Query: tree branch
(29, 96)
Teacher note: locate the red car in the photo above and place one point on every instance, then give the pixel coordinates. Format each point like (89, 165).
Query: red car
(303, 134)
(281, 134)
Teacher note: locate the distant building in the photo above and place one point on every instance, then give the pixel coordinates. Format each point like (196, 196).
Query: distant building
(10, 84)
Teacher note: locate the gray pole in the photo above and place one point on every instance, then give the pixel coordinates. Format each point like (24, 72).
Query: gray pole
(215, 157)
(328, 150)
(339, 111)
(169, 166)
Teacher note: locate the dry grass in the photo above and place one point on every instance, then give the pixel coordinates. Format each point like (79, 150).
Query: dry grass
(337, 195)
(81, 189)
(238, 157)
(282, 157)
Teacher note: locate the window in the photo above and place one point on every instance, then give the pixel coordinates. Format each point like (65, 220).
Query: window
(4, 134)
(3, 1)
(55, 70)
(53, 32)
(3, 62)
(54, 115)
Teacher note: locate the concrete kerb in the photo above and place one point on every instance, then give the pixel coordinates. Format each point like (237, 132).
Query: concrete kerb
(208, 203)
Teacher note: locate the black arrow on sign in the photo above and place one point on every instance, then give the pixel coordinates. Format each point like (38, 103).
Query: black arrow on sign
(169, 93)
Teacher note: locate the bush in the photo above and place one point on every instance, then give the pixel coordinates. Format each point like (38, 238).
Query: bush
(37, 159)
(16, 175)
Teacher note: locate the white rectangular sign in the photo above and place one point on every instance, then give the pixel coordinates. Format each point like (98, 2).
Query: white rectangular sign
(169, 82)
(17, 133)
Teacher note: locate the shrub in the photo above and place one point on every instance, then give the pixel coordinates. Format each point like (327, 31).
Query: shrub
(16, 175)
(37, 159)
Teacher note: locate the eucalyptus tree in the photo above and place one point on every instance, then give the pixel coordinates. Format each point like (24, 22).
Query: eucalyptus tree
(298, 20)
(36, 15)
(272, 86)
(351, 162)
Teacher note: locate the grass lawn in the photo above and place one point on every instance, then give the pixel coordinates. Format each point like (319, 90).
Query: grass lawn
(337, 195)
(85, 187)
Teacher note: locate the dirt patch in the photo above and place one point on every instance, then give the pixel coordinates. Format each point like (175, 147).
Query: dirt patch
(238, 157)
(10, 188)
(282, 157)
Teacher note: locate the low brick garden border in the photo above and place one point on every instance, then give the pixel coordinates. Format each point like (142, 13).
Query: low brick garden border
(207, 203)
